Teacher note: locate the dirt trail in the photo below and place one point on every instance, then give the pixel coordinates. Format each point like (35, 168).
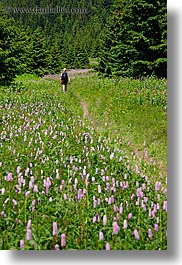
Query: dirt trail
(73, 73)
(84, 107)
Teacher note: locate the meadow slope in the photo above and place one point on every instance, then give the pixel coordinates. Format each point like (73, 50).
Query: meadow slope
(83, 170)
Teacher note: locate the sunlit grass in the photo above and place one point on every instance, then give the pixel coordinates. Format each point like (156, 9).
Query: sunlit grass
(134, 109)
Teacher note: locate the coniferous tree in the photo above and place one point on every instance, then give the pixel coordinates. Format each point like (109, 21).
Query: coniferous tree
(64, 27)
(80, 57)
(56, 62)
(135, 41)
(40, 55)
(10, 49)
(68, 57)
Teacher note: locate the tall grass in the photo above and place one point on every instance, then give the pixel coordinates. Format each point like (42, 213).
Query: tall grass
(135, 109)
(69, 183)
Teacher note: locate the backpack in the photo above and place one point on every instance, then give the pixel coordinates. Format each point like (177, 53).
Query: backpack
(64, 77)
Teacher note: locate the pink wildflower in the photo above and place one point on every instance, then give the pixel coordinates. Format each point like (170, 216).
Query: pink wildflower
(2, 214)
(111, 156)
(121, 208)
(104, 220)
(63, 240)
(139, 192)
(129, 215)
(112, 198)
(2, 191)
(165, 206)
(107, 246)
(136, 235)
(9, 177)
(7, 199)
(54, 232)
(116, 228)
(156, 228)
(27, 193)
(35, 188)
(157, 185)
(125, 224)
(29, 234)
(101, 236)
(29, 224)
(18, 169)
(149, 233)
(22, 243)
(56, 247)
(14, 202)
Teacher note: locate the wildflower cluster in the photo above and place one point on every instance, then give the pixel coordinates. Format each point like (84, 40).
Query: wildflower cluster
(63, 185)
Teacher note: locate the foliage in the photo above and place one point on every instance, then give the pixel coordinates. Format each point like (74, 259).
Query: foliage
(129, 38)
(64, 30)
(21, 51)
(8, 49)
(40, 56)
(134, 43)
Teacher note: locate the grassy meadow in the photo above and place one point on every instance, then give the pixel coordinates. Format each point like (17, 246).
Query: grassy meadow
(84, 170)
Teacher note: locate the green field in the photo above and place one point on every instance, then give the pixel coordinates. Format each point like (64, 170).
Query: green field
(83, 170)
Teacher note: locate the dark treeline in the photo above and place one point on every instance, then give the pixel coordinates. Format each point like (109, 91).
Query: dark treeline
(128, 38)
(134, 42)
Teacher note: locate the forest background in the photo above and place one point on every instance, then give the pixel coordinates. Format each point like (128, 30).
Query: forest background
(115, 37)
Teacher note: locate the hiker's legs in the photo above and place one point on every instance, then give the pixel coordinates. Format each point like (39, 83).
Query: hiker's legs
(64, 87)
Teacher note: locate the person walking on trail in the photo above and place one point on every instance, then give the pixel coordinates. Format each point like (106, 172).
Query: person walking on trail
(64, 80)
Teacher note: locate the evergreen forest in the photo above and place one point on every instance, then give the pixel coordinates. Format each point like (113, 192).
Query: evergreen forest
(127, 38)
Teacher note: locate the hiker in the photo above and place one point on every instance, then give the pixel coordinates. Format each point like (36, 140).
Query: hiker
(64, 79)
